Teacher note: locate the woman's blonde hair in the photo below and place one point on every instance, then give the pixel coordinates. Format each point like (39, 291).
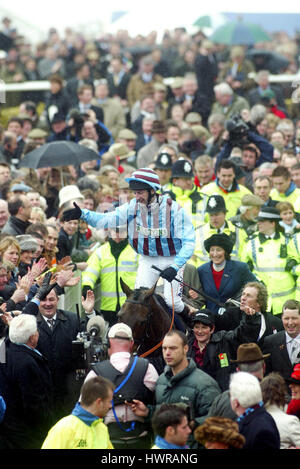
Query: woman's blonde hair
(39, 211)
(6, 243)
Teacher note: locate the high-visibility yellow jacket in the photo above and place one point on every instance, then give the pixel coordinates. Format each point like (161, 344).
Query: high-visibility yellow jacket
(193, 201)
(295, 254)
(232, 199)
(75, 432)
(205, 231)
(269, 260)
(102, 266)
(293, 197)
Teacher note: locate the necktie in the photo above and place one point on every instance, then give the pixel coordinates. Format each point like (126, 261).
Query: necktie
(50, 323)
(294, 353)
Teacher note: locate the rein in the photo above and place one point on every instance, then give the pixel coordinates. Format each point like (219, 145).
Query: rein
(149, 315)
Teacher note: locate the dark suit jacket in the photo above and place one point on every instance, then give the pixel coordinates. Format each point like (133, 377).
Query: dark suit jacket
(236, 275)
(254, 97)
(121, 88)
(260, 430)
(72, 88)
(206, 72)
(26, 386)
(64, 245)
(137, 125)
(60, 100)
(202, 105)
(56, 347)
(140, 142)
(279, 360)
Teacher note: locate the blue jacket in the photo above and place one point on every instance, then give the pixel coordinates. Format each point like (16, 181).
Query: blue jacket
(161, 229)
(264, 146)
(236, 275)
(2, 408)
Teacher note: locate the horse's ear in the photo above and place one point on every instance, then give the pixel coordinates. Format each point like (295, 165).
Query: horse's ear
(125, 287)
(150, 291)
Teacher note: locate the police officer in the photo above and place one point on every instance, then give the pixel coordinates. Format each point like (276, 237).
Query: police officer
(216, 210)
(270, 256)
(109, 262)
(163, 167)
(183, 189)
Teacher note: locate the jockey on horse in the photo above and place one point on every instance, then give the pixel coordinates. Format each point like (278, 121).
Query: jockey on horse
(159, 230)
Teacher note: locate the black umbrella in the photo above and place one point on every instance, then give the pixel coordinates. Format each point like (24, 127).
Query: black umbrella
(268, 60)
(61, 153)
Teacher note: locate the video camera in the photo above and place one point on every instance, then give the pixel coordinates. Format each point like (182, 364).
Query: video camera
(237, 128)
(90, 346)
(78, 121)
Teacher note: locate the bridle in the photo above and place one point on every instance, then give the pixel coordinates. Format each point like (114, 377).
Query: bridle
(147, 325)
(147, 322)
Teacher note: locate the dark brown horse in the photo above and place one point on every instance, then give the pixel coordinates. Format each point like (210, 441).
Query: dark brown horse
(146, 314)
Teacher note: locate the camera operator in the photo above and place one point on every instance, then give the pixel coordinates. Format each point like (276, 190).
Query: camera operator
(125, 428)
(255, 148)
(59, 129)
(85, 125)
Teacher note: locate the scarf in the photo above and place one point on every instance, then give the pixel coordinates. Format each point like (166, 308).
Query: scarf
(163, 444)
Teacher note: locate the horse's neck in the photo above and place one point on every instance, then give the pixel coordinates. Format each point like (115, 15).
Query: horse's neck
(160, 317)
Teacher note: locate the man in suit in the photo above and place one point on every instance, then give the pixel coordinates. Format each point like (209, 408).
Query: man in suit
(144, 136)
(284, 347)
(148, 152)
(26, 385)
(206, 69)
(57, 329)
(147, 110)
(117, 79)
(194, 100)
(82, 78)
(85, 97)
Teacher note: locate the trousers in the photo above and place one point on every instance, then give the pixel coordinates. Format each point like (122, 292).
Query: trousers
(147, 277)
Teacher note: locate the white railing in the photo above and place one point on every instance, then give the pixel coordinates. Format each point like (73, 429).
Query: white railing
(44, 85)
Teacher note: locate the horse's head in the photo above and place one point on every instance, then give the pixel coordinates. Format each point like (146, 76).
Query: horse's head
(136, 312)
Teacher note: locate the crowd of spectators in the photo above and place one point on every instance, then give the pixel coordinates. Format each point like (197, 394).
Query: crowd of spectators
(224, 140)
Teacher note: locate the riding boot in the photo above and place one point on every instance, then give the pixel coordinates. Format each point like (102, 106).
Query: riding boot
(185, 316)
